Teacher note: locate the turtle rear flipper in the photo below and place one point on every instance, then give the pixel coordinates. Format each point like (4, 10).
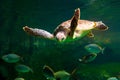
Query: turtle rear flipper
(90, 34)
(38, 32)
(74, 21)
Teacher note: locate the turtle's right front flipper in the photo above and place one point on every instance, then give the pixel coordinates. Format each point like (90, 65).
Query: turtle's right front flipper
(38, 32)
(74, 21)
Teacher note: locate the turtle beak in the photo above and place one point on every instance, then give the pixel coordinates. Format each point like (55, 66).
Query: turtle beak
(60, 39)
(60, 36)
(101, 26)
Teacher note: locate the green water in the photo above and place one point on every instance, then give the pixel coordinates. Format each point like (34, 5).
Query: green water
(47, 15)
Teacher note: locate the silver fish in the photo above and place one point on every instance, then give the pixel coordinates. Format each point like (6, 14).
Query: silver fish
(19, 79)
(23, 68)
(59, 75)
(62, 75)
(88, 58)
(94, 48)
(112, 78)
(11, 58)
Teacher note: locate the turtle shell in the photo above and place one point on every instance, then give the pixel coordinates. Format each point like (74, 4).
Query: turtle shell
(82, 29)
(63, 27)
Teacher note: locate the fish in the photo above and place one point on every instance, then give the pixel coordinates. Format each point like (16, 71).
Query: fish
(112, 78)
(11, 58)
(94, 48)
(59, 75)
(23, 68)
(19, 79)
(48, 72)
(88, 58)
(62, 75)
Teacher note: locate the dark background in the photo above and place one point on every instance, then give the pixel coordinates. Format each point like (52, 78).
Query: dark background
(47, 14)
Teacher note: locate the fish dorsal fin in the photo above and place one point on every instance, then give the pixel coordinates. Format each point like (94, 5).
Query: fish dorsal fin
(48, 72)
(74, 21)
(73, 71)
(73, 76)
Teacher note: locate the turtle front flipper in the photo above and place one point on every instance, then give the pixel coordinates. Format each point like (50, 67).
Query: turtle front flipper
(38, 32)
(74, 21)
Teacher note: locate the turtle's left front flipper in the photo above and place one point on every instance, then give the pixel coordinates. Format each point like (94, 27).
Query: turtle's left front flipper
(74, 21)
(38, 32)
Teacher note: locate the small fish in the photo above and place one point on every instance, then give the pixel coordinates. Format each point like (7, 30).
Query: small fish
(94, 48)
(23, 68)
(19, 79)
(48, 72)
(11, 58)
(62, 75)
(88, 58)
(59, 75)
(112, 78)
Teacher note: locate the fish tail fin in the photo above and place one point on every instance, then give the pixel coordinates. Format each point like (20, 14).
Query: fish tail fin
(80, 60)
(31, 70)
(74, 70)
(103, 49)
(73, 75)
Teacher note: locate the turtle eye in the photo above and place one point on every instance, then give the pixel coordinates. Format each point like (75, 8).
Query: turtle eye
(102, 27)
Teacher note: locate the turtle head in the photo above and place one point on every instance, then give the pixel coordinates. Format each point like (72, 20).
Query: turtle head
(100, 26)
(60, 36)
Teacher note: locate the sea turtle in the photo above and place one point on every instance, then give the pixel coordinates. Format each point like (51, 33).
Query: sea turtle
(59, 75)
(70, 29)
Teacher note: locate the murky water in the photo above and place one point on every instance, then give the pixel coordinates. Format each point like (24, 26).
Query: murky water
(36, 52)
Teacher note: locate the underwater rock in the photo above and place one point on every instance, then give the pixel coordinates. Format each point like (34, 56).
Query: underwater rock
(88, 58)
(94, 48)
(23, 68)
(11, 58)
